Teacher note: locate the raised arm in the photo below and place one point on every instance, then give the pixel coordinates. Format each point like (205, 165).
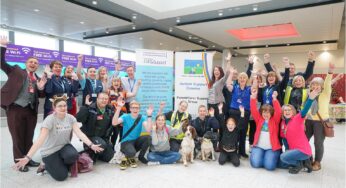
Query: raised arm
(285, 80)
(229, 81)
(310, 66)
(241, 122)
(277, 108)
(80, 67)
(337, 78)
(312, 95)
(4, 65)
(250, 67)
(147, 124)
(253, 105)
(116, 120)
(267, 65)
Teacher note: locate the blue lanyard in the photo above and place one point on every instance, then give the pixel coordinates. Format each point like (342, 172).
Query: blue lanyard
(94, 88)
(61, 82)
(268, 91)
(131, 87)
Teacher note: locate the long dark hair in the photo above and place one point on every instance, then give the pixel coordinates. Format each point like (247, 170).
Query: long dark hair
(213, 79)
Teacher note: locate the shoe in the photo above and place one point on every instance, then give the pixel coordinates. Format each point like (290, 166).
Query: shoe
(153, 163)
(244, 155)
(24, 169)
(124, 164)
(316, 166)
(40, 170)
(296, 169)
(307, 164)
(143, 160)
(32, 163)
(133, 163)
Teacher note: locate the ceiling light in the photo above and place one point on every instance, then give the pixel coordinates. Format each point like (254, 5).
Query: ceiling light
(200, 41)
(36, 10)
(107, 31)
(254, 8)
(267, 46)
(134, 16)
(161, 44)
(178, 20)
(94, 2)
(133, 27)
(170, 29)
(288, 44)
(140, 38)
(220, 13)
(81, 23)
(213, 46)
(324, 42)
(190, 37)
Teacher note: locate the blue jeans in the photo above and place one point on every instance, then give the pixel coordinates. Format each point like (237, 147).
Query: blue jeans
(164, 157)
(264, 158)
(293, 157)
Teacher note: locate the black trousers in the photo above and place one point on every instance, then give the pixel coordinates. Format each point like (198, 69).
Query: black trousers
(58, 163)
(130, 148)
(108, 152)
(174, 144)
(21, 124)
(235, 114)
(316, 129)
(229, 156)
(252, 131)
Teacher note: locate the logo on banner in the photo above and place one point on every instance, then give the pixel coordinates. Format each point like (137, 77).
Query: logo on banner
(193, 66)
(100, 59)
(55, 54)
(26, 50)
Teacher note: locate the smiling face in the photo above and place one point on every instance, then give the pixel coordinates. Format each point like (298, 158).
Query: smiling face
(91, 73)
(31, 64)
(68, 71)
(288, 112)
(130, 72)
(242, 79)
(116, 83)
(60, 108)
(202, 112)
(298, 82)
(266, 111)
(134, 107)
(230, 124)
(56, 69)
(182, 106)
(315, 86)
(217, 73)
(102, 72)
(102, 100)
(271, 78)
(160, 122)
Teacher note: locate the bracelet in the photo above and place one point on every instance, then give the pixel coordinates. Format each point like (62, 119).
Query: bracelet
(27, 157)
(91, 145)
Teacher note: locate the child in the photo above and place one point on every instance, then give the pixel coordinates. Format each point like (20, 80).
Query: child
(292, 129)
(160, 149)
(228, 143)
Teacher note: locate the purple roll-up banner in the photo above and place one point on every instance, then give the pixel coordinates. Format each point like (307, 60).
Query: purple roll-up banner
(17, 53)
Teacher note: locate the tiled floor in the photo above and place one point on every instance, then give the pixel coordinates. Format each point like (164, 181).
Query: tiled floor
(199, 174)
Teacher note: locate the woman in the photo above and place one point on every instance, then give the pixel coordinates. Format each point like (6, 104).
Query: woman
(320, 107)
(296, 94)
(57, 85)
(72, 80)
(266, 147)
(102, 75)
(57, 152)
(292, 131)
(160, 149)
(241, 97)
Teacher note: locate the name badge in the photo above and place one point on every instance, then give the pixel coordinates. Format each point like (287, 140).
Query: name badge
(31, 90)
(94, 95)
(100, 117)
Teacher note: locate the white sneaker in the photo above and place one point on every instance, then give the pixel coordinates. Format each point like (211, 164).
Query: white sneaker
(152, 163)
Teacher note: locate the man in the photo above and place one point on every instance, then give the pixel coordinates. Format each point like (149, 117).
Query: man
(19, 97)
(132, 142)
(308, 71)
(89, 84)
(176, 118)
(97, 121)
(128, 84)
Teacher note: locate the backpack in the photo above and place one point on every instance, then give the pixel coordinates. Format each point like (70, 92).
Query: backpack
(83, 164)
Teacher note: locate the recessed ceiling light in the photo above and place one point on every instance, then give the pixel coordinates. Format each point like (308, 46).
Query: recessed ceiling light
(133, 27)
(220, 13)
(81, 23)
(107, 31)
(161, 44)
(254, 8)
(36, 10)
(94, 2)
(267, 46)
(170, 29)
(134, 16)
(178, 20)
(200, 41)
(213, 46)
(190, 37)
(140, 38)
(288, 44)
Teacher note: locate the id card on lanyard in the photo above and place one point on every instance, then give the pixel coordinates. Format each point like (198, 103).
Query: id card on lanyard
(268, 91)
(133, 85)
(93, 88)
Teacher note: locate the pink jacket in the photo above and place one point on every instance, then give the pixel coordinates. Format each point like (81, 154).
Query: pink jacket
(273, 123)
(295, 134)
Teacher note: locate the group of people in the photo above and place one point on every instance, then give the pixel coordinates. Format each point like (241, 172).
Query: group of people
(276, 106)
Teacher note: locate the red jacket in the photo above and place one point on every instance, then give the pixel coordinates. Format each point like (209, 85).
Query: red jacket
(273, 124)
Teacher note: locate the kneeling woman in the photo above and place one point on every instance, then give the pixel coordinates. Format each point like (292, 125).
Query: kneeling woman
(160, 149)
(292, 129)
(267, 148)
(57, 152)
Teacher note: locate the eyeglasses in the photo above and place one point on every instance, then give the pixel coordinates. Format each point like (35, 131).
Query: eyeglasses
(61, 106)
(135, 108)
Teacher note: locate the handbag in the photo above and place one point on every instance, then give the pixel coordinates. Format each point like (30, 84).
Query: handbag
(327, 126)
(118, 155)
(83, 164)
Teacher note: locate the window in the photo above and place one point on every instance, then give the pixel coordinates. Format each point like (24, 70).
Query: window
(76, 47)
(106, 52)
(36, 41)
(4, 32)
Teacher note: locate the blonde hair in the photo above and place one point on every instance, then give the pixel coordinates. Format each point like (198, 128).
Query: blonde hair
(245, 75)
(294, 111)
(134, 103)
(295, 79)
(99, 71)
(317, 80)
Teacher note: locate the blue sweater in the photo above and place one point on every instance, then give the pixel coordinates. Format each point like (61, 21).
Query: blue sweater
(241, 97)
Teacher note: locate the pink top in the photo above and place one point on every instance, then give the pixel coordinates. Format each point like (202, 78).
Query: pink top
(295, 134)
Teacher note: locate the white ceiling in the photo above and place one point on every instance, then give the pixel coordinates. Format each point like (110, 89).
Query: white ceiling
(161, 9)
(313, 24)
(56, 17)
(147, 40)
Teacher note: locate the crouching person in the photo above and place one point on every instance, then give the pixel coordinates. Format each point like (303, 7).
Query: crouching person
(160, 134)
(57, 152)
(131, 141)
(97, 120)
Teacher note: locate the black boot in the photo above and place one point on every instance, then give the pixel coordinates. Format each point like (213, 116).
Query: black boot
(296, 169)
(307, 164)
